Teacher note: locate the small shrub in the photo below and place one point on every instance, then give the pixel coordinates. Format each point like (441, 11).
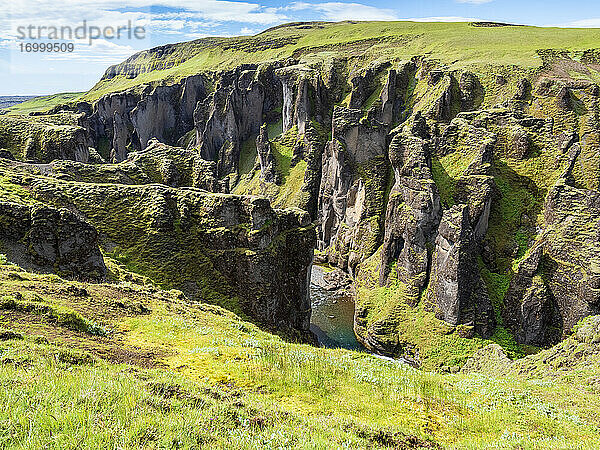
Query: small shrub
(62, 316)
(6, 335)
(42, 340)
(74, 357)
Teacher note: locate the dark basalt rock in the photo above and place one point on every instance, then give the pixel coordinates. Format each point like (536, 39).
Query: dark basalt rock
(365, 83)
(268, 168)
(5, 154)
(557, 284)
(448, 102)
(229, 116)
(394, 93)
(51, 240)
(563, 99)
(529, 308)
(376, 336)
(413, 214)
(475, 187)
(352, 188)
(520, 143)
(303, 96)
(456, 292)
(313, 153)
(523, 89)
(471, 91)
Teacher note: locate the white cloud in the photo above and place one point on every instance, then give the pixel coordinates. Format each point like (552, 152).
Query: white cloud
(336, 11)
(100, 51)
(7, 43)
(585, 23)
(108, 11)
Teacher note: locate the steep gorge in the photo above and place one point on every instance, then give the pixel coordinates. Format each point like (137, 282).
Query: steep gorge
(461, 199)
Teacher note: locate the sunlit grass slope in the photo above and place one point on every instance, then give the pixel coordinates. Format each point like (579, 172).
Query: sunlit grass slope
(44, 103)
(131, 366)
(454, 44)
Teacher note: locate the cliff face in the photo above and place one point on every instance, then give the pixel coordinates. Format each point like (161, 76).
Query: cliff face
(125, 122)
(50, 240)
(44, 139)
(464, 195)
(230, 250)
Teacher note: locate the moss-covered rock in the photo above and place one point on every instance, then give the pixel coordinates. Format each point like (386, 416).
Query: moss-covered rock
(456, 292)
(48, 239)
(42, 141)
(234, 251)
(158, 163)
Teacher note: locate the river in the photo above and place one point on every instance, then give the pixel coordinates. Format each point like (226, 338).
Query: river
(332, 316)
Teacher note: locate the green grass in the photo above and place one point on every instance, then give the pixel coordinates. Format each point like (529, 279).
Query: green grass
(199, 377)
(289, 193)
(446, 171)
(59, 315)
(11, 192)
(456, 44)
(248, 156)
(45, 103)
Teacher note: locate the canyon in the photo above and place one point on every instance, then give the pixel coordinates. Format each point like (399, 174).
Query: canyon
(467, 197)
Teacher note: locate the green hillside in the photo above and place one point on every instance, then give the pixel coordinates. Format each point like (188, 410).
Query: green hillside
(97, 365)
(44, 103)
(455, 44)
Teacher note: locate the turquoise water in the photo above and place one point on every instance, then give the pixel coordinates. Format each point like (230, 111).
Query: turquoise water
(332, 318)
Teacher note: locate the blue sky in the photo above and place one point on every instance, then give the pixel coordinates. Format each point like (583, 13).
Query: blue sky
(167, 21)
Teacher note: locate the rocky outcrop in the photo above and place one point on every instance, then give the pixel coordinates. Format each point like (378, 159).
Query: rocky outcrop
(43, 141)
(50, 240)
(124, 122)
(304, 97)
(268, 165)
(475, 188)
(111, 123)
(557, 283)
(413, 214)
(366, 83)
(530, 311)
(230, 250)
(471, 91)
(167, 112)
(394, 93)
(295, 100)
(577, 353)
(456, 292)
(377, 336)
(447, 101)
(158, 163)
(5, 154)
(230, 115)
(353, 182)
